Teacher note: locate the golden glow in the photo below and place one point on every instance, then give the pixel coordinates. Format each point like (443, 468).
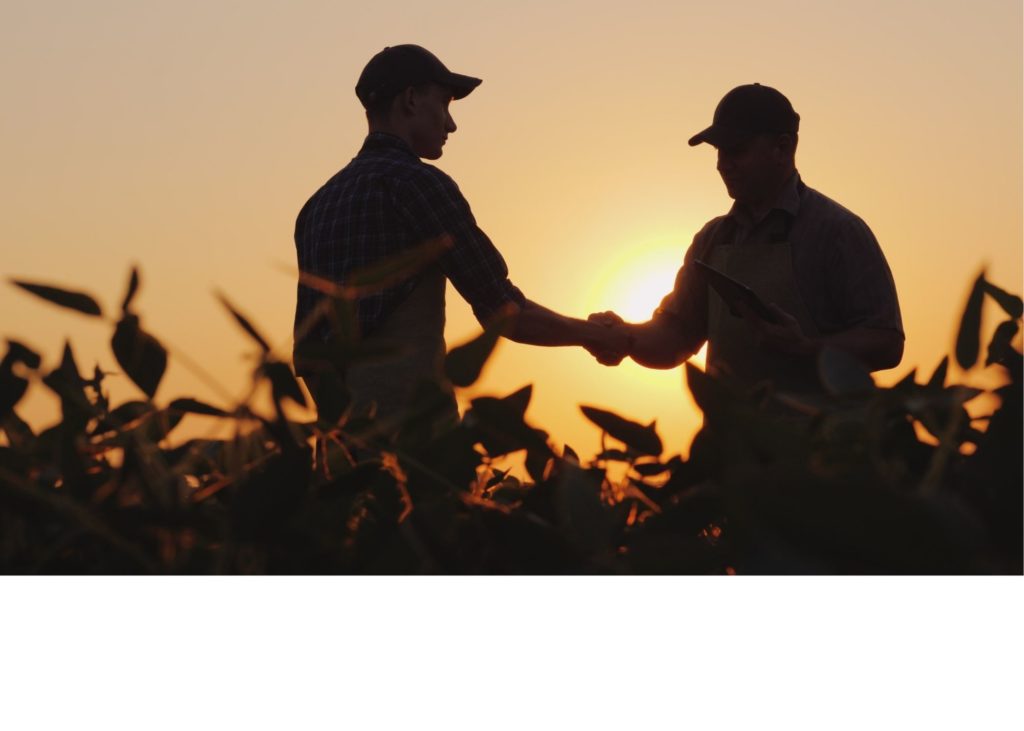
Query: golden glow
(634, 283)
(185, 138)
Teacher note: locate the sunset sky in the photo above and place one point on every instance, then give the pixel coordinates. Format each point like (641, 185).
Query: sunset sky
(184, 137)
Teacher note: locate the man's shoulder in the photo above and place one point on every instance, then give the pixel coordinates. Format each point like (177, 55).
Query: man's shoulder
(816, 205)
(710, 230)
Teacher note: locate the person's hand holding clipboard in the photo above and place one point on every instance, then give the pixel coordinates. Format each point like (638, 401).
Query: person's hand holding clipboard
(734, 293)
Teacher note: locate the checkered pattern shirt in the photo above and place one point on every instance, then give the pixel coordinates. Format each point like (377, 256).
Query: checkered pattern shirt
(841, 273)
(383, 202)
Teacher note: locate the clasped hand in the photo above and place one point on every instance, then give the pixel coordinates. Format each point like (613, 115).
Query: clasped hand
(610, 342)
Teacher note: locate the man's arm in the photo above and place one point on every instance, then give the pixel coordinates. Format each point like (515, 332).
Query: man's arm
(876, 348)
(534, 324)
(660, 343)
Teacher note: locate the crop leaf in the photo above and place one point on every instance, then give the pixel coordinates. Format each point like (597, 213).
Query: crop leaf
(19, 353)
(1001, 347)
(464, 363)
(133, 288)
(244, 323)
(969, 334)
(1012, 304)
(938, 379)
(282, 382)
(397, 268)
(79, 301)
(643, 439)
(192, 406)
(141, 355)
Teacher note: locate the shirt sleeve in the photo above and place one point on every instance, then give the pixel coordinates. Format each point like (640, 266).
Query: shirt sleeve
(432, 205)
(861, 282)
(686, 306)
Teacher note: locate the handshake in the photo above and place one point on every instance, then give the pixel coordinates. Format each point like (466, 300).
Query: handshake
(612, 339)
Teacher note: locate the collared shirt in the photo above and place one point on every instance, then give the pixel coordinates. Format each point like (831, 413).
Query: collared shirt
(841, 272)
(383, 202)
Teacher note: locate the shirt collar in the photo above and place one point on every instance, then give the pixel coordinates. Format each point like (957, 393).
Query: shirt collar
(386, 141)
(787, 202)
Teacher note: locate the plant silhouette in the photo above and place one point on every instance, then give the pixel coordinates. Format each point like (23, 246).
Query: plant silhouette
(837, 484)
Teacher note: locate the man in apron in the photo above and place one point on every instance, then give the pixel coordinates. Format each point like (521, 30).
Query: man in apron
(384, 203)
(816, 266)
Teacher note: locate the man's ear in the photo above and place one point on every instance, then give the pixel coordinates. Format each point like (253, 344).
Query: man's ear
(407, 101)
(785, 143)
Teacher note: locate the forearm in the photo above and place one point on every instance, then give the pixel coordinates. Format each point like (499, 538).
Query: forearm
(535, 324)
(656, 344)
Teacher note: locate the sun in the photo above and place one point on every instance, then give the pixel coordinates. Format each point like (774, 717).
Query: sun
(634, 284)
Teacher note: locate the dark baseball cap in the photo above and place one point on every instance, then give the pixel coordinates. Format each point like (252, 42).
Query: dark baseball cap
(399, 67)
(744, 112)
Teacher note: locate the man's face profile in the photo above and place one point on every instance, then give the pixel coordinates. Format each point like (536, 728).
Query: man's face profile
(750, 168)
(431, 122)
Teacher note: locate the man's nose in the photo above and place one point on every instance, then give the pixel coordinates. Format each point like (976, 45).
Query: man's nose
(450, 124)
(724, 161)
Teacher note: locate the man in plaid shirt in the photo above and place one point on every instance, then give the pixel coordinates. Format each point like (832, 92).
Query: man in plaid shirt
(387, 201)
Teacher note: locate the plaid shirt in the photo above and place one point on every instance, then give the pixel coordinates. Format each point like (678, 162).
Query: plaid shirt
(383, 202)
(841, 273)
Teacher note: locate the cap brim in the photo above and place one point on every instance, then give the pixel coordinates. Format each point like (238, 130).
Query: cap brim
(720, 136)
(460, 85)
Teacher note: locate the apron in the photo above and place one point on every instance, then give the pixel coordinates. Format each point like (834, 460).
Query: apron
(416, 326)
(767, 269)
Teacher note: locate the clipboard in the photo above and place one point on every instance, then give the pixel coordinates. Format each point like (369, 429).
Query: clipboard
(732, 292)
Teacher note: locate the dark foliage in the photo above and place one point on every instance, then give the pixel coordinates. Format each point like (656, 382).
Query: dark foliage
(774, 483)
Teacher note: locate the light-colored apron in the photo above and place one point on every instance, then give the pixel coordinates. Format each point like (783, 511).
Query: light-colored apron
(416, 327)
(767, 269)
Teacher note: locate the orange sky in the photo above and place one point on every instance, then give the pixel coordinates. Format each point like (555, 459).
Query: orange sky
(184, 137)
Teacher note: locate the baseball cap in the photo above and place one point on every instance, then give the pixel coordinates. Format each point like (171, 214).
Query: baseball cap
(399, 67)
(746, 111)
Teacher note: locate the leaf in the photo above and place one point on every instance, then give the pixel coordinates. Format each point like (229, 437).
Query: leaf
(968, 337)
(133, 287)
(613, 455)
(643, 439)
(938, 379)
(649, 469)
(192, 406)
(520, 399)
(127, 415)
(140, 354)
(841, 373)
(464, 363)
(1012, 304)
(582, 514)
(67, 383)
(498, 424)
(18, 353)
(1000, 348)
(79, 301)
(282, 382)
(12, 388)
(909, 380)
(244, 323)
(397, 268)
(569, 454)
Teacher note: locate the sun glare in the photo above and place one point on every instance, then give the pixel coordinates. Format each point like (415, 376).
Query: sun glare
(634, 284)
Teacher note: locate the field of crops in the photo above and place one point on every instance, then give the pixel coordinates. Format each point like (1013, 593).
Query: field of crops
(867, 480)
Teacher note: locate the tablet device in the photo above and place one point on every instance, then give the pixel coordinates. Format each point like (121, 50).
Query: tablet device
(732, 292)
